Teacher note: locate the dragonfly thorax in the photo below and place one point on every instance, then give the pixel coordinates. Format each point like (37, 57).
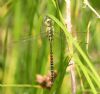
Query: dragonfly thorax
(50, 32)
(49, 28)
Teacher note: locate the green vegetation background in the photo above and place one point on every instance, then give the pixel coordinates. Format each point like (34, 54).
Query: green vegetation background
(21, 60)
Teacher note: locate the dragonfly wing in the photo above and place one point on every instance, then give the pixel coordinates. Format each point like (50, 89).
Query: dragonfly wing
(26, 39)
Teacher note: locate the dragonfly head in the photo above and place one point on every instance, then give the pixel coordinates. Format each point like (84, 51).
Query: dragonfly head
(48, 22)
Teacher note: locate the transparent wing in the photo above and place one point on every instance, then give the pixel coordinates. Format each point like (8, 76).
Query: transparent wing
(31, 38)
(43, 36)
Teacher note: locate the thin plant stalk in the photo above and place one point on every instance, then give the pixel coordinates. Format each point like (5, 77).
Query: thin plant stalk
(71, 63)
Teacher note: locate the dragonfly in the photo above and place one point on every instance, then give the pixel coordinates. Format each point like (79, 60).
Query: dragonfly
(48, 37)
(53, 38)
(50, 31)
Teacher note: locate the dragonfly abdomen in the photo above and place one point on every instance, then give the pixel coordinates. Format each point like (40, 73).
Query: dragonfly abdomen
(51, 66)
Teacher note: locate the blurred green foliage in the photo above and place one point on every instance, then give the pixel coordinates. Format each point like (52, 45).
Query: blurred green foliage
(95, 3)
(24, 51)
